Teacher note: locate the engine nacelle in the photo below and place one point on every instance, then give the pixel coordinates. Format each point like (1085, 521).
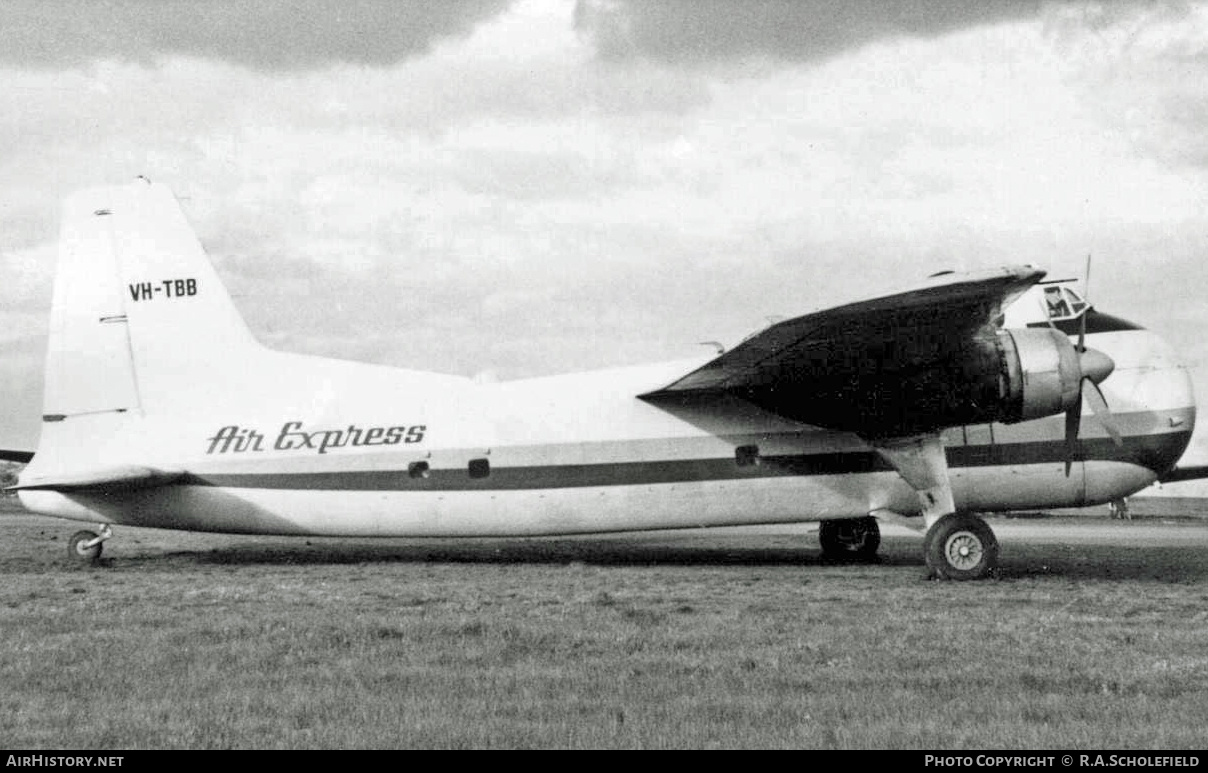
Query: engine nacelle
(1007, 376)
(1042, 374)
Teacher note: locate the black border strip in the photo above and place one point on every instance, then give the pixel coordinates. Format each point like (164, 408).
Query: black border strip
(1156, 452)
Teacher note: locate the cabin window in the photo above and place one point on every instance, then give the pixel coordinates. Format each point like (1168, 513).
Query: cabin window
(418, 469)
(746, 456)
(480, 468)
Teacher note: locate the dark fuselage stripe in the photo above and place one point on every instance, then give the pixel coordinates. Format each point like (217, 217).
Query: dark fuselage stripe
(1157, 452)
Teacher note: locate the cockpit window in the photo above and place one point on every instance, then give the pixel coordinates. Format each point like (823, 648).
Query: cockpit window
(1063, 303)
(1076, 303)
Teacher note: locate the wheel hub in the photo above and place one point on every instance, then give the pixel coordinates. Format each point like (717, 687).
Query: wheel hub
(964, 550)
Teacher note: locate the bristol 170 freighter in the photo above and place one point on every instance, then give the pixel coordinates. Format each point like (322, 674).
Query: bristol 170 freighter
(964, 394)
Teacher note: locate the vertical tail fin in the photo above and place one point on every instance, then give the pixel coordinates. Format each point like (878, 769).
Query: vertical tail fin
(140, 320)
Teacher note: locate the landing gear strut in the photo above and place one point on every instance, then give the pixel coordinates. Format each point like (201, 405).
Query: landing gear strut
(850, 538)
(85, 546)
(960, 546)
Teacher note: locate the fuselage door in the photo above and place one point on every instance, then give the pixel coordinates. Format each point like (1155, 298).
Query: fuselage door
(979, 444)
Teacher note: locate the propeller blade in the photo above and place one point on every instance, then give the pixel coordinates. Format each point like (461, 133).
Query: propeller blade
(1104, 414)
(1073, 418)
(1086, 284)
(1086, 292)
(1082, 330)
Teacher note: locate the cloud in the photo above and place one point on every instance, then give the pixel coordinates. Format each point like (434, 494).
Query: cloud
(265, 35)
(1144, 75)
(700, 31)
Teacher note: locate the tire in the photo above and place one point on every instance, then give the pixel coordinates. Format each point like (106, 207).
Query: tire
(77, 550)
(850, 539)
(960, 546)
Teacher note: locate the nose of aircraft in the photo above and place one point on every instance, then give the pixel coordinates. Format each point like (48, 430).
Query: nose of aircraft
(1095, 365)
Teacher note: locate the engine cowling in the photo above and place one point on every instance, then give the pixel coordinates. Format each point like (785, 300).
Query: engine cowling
(1042, 374)
(1006, 375)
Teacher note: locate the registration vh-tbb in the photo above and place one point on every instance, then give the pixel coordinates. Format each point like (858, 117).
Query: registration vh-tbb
(962, 395)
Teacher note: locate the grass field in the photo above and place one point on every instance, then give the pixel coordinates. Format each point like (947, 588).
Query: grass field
(727, 639)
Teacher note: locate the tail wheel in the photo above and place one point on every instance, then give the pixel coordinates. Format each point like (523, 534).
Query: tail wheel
(960, 546)
(850, 538)
(85, 547)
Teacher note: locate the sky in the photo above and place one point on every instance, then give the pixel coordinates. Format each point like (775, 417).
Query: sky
(512, 188)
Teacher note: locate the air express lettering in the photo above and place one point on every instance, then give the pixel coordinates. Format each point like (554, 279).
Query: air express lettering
(167, 288)
(293, 435)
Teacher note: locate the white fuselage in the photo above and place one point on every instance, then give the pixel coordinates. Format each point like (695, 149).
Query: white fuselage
(286, 444)
(160, 409)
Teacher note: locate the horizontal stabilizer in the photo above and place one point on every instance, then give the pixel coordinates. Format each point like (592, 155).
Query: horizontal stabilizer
(123, 478)
(9, 455)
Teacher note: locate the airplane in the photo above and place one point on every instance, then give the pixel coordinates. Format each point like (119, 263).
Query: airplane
(961, 395)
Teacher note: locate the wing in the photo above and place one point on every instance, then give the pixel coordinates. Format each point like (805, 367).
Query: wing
(9, 455)
(887, 367)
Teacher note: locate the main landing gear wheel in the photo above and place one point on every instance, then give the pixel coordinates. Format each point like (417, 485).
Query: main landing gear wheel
(85, 546)
(960, 546)
(850, 539)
